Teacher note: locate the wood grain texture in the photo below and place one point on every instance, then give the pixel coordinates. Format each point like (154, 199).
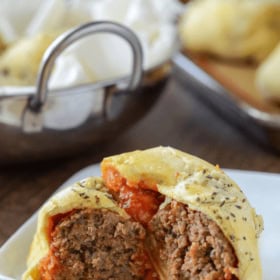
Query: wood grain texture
(177, 120)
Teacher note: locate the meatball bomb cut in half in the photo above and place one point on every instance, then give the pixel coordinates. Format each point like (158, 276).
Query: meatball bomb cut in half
(83, 234)
(200, 225)
(157, 214)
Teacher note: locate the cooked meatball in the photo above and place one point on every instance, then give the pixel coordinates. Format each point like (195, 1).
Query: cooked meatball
(191, 245)
(96, 244)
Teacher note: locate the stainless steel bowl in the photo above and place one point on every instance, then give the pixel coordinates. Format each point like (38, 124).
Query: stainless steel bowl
(33, 126)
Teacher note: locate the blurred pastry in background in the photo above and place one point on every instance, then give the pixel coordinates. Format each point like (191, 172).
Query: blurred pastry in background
(2, 44)
(20, 62)
(233, 29)
(267, 76)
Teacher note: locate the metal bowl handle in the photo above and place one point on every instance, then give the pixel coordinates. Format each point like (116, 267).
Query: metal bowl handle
(65, 40)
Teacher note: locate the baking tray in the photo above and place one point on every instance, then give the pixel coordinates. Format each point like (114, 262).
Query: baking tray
(229, 89)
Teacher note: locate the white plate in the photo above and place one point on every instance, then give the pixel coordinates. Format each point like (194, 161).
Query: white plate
(262, 189)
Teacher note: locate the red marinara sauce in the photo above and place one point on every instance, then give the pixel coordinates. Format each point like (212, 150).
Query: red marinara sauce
(141, 199)
(49, 265)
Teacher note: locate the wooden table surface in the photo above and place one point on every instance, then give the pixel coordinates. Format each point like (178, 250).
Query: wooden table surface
(178, 119)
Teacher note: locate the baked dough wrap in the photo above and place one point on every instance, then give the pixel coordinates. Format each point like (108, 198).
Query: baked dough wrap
(203, 187)
(89, 193)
